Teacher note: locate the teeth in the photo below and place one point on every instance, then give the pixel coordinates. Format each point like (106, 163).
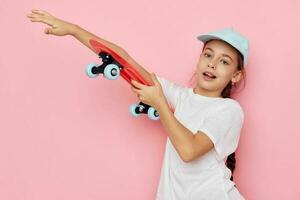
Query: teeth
(210, 75)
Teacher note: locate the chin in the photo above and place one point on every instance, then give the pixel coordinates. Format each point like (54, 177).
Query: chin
(206, 85)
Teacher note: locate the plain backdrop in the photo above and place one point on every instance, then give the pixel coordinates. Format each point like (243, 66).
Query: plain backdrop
(65, 136)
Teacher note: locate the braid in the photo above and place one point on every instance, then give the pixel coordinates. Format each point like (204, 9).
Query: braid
(226, 93)
(230, 163)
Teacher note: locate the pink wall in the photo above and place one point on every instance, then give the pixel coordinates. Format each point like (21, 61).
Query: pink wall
(65, 136)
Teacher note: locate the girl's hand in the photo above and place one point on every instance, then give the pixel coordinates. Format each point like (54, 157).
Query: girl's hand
(57, 26)
(151, 95)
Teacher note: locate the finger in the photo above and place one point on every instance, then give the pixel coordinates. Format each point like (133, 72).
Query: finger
(154, 79)
(41, 12)
(137, 91)
(36, 19)
(41, 19)
(29, 15)
(141, 98)
(32, 15)
(137, 84)
(48, 31)
(37, 12)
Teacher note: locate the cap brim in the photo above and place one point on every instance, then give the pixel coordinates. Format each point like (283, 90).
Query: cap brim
(205, 38)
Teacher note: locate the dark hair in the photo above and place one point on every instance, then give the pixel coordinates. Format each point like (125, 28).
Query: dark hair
(226, 93)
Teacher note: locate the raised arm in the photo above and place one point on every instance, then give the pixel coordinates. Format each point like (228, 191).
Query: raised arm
(60, 27)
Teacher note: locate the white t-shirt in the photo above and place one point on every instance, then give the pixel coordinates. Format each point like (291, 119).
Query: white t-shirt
(207, 177)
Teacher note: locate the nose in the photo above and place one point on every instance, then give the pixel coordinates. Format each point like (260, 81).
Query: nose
(212, 65)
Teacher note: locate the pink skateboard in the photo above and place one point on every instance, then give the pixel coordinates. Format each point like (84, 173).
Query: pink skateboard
(113, 65)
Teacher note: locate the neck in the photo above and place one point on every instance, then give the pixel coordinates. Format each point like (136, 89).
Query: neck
(207, 93)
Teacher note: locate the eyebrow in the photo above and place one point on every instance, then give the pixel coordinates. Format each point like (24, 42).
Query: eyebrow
(222, 54)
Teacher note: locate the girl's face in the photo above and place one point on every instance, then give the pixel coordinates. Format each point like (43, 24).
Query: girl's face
(221, 60)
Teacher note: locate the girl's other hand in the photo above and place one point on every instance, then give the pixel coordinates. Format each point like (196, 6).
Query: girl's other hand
(57, 26)
(151, 95)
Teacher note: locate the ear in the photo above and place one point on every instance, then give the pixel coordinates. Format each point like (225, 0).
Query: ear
(237, 76)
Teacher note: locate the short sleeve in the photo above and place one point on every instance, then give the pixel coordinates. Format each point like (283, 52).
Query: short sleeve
(171, 90)
(223, 126)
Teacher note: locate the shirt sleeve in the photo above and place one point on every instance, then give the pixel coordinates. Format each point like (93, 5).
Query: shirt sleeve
(223, 126)
(171, 90)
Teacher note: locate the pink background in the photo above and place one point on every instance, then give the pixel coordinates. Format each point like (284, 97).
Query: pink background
(66, 136)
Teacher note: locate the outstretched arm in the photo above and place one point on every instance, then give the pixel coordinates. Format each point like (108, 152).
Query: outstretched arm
(60, 27)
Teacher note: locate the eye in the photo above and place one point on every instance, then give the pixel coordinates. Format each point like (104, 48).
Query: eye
(206, 55)
(224, 62)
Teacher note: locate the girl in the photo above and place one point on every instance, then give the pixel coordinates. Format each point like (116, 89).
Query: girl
(205, 127)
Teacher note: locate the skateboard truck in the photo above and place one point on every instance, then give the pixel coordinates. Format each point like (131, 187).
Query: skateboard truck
(109, 68)
(137, 109)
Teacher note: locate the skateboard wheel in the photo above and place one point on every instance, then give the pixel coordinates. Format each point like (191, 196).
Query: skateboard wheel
(89, 68)
(111, 71)
(152, 114)
(132, 110)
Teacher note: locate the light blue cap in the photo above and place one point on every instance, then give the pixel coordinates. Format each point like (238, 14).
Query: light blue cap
(230, 36)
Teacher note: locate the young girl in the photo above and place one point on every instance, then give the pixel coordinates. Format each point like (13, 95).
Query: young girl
(205, 127)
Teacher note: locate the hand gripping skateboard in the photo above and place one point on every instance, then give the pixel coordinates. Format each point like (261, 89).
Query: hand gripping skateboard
(113, 65)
